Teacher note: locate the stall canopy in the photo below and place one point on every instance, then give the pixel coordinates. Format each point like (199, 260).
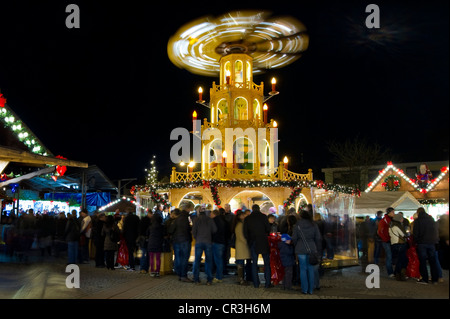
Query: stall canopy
(370, 203)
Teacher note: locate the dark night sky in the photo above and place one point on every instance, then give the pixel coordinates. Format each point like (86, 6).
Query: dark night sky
(107, 94)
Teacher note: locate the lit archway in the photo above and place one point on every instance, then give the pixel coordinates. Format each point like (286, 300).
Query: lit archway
(193, 197)
(246, 198)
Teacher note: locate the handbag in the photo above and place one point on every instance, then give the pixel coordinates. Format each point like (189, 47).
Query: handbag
(313, 256)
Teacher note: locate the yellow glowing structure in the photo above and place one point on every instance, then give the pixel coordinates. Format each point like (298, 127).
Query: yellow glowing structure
(234, 47)
(273, 42)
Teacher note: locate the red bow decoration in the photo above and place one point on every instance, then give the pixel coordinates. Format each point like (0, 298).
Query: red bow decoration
(2, 100)
(205, 184)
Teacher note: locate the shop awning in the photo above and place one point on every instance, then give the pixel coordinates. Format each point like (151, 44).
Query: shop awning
(370, 203)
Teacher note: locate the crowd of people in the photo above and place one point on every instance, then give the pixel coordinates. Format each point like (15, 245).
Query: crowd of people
(115, 241)
(409, 248)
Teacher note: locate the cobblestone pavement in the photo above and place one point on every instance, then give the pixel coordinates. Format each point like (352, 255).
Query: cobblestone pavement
(47, 280)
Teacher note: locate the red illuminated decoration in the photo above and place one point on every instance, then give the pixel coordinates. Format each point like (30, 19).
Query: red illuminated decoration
(60, 170)
(2, 100)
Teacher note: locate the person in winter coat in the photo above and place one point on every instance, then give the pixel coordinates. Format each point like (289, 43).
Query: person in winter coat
(256, 231)
(202, 231)
(181, 236)
(156, 233)
(306, 231)
(110, 232)
(242, 251)
(142, 241)
(397, 233)
(426, 236)
(45, 232)
(219, 242)
(131, 233)
(287, 256)
(72, 235)
(383, 234)
(98, 239)
(60, 242)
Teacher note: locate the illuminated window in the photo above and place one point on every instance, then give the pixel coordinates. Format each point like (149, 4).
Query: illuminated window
(240, 109)
(256, 109)
(222, 108)
(227, 73)
(239, 71)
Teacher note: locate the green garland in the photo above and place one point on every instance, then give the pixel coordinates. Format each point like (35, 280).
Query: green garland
(295, 192)
(432, 201)
(251, 184)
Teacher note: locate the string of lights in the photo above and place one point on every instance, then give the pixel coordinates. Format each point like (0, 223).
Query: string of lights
(411, 181)
(20, 130)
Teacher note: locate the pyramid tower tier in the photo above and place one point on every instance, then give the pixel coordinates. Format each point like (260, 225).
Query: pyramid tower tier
(236, 98)
(237, 103)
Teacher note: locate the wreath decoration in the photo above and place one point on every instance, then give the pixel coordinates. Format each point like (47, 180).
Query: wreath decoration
(391, 183)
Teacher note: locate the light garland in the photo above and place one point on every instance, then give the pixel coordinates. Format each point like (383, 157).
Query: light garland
(411, 181)
(119, 200)
(20, 130)
(251, 184)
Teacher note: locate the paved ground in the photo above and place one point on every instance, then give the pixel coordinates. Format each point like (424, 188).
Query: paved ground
(46, 279)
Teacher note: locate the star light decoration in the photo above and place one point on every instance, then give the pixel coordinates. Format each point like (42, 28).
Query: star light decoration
(411, 181)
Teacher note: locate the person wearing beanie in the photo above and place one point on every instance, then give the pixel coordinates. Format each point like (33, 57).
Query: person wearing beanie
(287, 257)
(397, 235)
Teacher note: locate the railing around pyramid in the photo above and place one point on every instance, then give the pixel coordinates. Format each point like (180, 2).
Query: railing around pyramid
(220, 172)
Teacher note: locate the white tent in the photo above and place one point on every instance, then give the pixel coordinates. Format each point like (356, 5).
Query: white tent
(370, 203)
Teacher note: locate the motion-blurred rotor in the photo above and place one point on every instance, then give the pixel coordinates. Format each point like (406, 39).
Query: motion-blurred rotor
(273, 42)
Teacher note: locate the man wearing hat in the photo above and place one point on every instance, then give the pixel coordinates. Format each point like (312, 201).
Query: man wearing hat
(287, 257)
